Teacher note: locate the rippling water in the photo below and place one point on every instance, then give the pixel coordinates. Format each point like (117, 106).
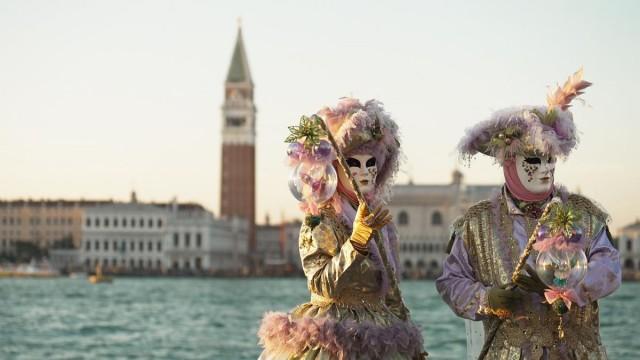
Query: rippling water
(215, 318)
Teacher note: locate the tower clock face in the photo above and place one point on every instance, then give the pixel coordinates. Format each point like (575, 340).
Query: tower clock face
(235, 121)
(235, 94)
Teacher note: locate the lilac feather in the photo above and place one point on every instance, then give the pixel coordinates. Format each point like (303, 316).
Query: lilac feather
(280, 334)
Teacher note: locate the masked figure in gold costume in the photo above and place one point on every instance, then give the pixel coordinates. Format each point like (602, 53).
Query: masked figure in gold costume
(353, 312)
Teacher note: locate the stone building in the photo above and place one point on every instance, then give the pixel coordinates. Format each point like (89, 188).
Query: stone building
(423, 215)
(162, 238)
(629, 247)
(42, 224)
(277, 247)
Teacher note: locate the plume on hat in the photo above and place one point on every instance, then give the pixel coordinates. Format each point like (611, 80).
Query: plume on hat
(572, 88)
(528, 129)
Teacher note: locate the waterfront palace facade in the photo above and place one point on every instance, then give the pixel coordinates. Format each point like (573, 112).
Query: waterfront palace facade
(423, 215)
(629, 247)
(162, 238)
(125, 237)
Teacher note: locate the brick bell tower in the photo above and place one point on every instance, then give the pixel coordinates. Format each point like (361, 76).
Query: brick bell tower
(237, 190)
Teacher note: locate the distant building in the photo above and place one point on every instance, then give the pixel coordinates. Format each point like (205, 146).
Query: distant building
(423, 215)
(162, 238)
(629, 247)
(125, 237)
(203, 244)
(65, 260)
(277, 247)
(44, 224)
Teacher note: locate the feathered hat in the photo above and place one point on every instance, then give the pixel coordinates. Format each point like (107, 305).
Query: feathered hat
(366, 129)
(523, 130)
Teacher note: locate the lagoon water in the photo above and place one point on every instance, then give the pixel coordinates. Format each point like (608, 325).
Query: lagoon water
(161, 318)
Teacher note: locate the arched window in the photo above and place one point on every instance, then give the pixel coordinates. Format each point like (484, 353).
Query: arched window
(433, 265)
(408, 264)
(436, 218)
(628, 264)
(403, 218)
(421, 264)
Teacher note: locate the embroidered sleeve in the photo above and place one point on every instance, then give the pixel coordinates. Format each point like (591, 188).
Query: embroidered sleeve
(603, 272)
(458, 286)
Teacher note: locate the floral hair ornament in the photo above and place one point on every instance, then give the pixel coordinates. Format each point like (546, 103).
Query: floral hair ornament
(526, 130)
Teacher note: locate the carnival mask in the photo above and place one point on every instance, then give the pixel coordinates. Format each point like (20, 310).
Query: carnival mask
(363, 169)
(536, 172)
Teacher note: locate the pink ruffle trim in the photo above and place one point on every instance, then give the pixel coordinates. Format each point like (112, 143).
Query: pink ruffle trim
(283, 336)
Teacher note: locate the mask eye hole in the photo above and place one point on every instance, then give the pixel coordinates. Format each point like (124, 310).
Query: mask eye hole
(533, 160)
(551, 160)
(352, 162)
(371, 162)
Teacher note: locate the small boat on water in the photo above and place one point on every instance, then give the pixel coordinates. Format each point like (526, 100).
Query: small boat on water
(31, 270)
(98, 278)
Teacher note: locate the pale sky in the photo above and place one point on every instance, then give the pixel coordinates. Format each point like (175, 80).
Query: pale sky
(101, 97)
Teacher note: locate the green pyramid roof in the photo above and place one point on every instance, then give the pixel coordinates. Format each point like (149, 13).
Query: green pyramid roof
(239, 69)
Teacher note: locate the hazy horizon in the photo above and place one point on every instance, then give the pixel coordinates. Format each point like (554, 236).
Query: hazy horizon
(101, 98)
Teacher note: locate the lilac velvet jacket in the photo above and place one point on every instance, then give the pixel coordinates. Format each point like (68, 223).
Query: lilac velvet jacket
(462, 289)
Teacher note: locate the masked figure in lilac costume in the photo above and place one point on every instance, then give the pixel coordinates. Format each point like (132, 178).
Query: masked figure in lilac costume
(353, 313)
(488, 240)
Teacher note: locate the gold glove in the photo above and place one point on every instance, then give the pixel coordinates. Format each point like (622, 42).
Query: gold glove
(365, 223)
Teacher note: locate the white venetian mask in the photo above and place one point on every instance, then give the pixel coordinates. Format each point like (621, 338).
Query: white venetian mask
(536, 172)
(363, 169)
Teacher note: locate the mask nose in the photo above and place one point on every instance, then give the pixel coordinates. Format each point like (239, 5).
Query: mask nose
(547, 167)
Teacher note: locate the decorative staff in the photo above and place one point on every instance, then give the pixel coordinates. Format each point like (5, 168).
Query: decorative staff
(505, 314)
(315, 180)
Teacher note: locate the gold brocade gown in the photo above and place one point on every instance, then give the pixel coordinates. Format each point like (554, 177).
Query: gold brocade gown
(352, 313)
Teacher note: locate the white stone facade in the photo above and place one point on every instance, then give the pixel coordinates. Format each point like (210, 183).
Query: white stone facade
(278, 244)
(423, 215)
(124, 237)
(629, 247)
(160, 239)
(199, 242)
